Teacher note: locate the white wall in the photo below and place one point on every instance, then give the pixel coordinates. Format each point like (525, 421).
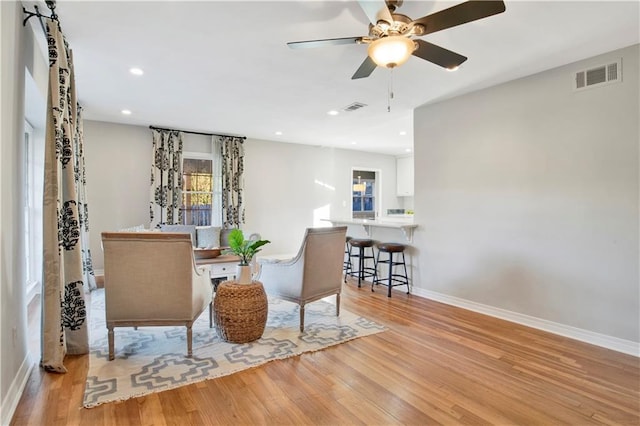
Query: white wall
(528, 193)
(285, 184)
(289, 187)
(14, 359)
(118, 165)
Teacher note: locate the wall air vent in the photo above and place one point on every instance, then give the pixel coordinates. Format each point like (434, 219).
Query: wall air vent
(598, 76)
(354, 106)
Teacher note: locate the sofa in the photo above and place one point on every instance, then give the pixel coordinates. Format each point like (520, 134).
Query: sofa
(201, 236)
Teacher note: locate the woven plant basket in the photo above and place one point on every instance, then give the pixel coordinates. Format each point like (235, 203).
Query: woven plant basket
(240, 311)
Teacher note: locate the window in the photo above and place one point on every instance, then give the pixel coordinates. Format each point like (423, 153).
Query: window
(364, 198)
(33, 163)
(197, 191)
(28, 206)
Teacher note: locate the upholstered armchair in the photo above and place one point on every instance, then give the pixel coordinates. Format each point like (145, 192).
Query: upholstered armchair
(314, 273)
(151, 279)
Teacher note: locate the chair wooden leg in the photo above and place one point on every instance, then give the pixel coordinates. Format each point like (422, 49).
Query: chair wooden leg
(301, 318)
(189, 342)
(111, 349)
(337, 304)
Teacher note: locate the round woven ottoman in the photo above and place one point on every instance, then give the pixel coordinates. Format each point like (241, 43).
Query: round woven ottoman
(240, 311)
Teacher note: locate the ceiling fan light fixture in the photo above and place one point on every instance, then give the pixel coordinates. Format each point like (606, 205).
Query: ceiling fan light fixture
(391, 51)
(383, 26)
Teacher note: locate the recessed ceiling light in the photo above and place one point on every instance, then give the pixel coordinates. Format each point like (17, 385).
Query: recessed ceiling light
(126, 112)
(136, 71)
(278, 133)
(354, 143)
(333, 112)
(403, 133)
(407, 150)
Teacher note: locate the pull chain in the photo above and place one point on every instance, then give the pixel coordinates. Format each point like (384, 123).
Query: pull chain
(390, 90)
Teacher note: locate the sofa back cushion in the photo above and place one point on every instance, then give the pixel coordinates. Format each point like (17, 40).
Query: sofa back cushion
(208, 236)
(189, 229)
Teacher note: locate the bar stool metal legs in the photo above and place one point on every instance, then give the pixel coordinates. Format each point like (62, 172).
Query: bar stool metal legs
(363, 271)
(393, 279)
(347, 266)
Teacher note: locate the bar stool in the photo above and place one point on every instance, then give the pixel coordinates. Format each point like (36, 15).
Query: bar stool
(363, 270)
(347, 263)
(392, 279)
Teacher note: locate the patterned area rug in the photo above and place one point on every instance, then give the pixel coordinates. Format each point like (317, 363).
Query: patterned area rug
(152, 359)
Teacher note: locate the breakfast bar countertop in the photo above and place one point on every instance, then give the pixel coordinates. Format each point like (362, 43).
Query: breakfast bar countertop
(405, 224)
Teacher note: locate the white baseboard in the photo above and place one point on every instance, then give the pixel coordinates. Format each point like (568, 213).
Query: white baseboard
(609, 342)
(14, 393)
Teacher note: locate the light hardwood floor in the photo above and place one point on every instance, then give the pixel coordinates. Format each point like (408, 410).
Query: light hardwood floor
(435, 364)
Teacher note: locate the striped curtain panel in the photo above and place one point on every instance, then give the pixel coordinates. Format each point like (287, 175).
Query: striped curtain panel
(166, 178)
(64, 313)
(232, 153)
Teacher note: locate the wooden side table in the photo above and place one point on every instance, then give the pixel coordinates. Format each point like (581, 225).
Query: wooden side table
(240, 311)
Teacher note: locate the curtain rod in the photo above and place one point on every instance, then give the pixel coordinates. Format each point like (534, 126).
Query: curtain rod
(195, 133)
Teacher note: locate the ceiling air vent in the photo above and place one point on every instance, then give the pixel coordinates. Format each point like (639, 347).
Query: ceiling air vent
(599, 76)
(354, 106)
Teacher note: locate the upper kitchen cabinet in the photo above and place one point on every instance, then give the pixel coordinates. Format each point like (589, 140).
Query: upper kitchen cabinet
(404, 179)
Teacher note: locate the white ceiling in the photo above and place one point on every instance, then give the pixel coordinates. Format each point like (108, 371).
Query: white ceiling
(224, 67)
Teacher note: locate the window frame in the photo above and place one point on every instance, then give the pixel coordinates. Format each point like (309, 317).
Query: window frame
(188, 155)
(375, 195)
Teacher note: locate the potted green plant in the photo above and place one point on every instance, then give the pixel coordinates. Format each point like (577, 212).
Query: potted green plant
(246, 249)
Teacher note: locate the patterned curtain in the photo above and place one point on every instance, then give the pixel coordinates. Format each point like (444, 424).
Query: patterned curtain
(83, 206)
(232, 181)
(166, 178)
(64, 315)
(216, 149)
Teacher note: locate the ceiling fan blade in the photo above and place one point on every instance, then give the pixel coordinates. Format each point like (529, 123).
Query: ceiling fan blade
(365, 70)
(460, 14)
(376, 10)
(438, 55)
(323, 43)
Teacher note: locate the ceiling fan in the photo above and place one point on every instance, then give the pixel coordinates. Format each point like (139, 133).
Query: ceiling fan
(392, 35)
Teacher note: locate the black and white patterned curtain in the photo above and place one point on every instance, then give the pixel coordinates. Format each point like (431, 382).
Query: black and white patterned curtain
(83, 205)
(216, 212)
(64, 314)
(232, 153)
(166, 178)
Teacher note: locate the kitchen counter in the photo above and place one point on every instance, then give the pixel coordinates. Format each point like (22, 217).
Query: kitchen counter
(406, 225)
